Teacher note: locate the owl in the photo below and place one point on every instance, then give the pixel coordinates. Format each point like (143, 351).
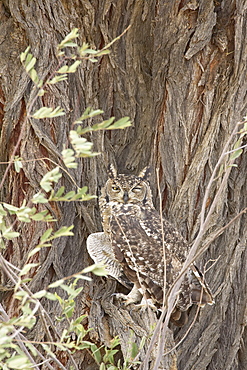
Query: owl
(141, 249)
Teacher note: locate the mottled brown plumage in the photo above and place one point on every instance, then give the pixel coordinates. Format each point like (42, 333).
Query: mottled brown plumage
(134, 230)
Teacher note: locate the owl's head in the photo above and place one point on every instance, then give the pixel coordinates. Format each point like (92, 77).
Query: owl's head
(127, 189)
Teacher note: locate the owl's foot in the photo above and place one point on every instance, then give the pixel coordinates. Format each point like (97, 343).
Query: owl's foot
(133, 297)
(146, 303)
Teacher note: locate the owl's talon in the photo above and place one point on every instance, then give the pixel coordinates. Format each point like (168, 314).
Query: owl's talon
(133, 297)
(145, 303)
(126, 300)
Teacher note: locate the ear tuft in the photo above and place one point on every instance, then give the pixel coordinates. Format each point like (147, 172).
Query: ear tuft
(145, 173)
(112, 171)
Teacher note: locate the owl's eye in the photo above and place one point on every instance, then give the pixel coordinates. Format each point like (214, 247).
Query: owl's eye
(115, 188)
(137, 189)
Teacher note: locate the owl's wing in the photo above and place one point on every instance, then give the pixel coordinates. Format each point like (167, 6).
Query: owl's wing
(137, 244)
(141, 247)
(100, 250)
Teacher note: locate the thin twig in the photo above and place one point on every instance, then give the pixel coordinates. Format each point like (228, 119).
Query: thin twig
(212, 178)
(234, 150)
(163, 238)
(116, 39)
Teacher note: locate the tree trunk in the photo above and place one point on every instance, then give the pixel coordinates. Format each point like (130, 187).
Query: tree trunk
(179, 73)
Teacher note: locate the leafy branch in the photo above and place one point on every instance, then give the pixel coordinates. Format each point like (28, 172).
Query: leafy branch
(16, 351)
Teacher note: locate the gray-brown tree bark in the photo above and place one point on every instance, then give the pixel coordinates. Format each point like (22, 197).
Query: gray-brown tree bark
(179, 73)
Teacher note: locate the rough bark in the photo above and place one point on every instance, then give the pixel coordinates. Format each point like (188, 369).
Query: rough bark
(180, 74)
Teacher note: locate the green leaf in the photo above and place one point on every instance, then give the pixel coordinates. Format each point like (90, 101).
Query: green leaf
(7, 234)
(2, 211)
(51, 176)
(34, 76)
(18, 164)
(236, 154)
(83, 277)
(34, 251)
(56, 79)
(10, 207)
(24, 213)
(31, 348)
(59, 192)
(69, 158)
(67, 288)
(39, 294)
(97, 269)
(56, 283)
(115, 342)
(82, 147)
(41, 92)
(134, 350)
(100, 271)
(61, 54)
(96, 353)
(69, 195)
(64, 231)
(74, 66)
(103, 52)
(121, 124)
(142, 343)
(21, 294)
(39, 198)
(30, 64)
(70, 44)
(76, 293)
(83, 48)
(51, 297)
(92, 51)
(89, 113)
(19, 362)
(40, 84)
(40, 216)
(103, 125)
(46, 235)
(85, 344)
(63, 69)
(67, 40)
(24, 54)
(26, 268)
(28, 58)
(47, 349)
(46, 112)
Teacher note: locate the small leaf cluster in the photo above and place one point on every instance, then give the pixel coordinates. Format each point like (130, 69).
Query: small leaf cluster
(14, 356)
(81, 147)
(105, 357)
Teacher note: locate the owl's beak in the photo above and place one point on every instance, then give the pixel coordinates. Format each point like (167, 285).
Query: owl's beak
(126, 197)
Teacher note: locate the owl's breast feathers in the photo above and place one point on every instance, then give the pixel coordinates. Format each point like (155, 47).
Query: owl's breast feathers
(143, 250)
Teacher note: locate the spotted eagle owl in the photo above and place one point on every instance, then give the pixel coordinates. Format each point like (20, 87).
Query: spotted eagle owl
(138, 249)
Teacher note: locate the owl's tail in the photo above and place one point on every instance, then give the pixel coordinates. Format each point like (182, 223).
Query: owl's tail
(200, 291)
(194, 290)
